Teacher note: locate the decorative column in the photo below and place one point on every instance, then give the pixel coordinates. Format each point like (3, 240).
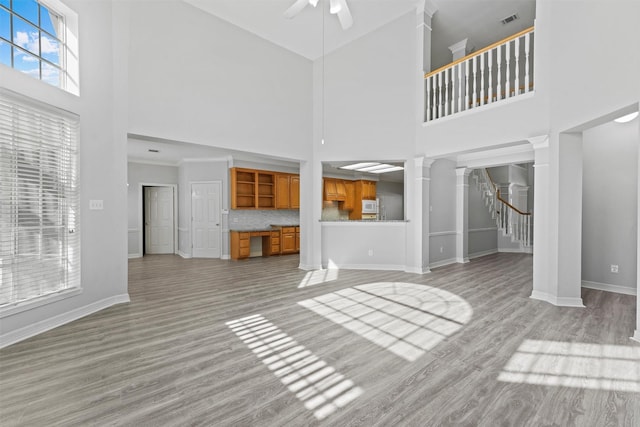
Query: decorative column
(462, 214)
(426, 10)
(310, 211)
(636, 335)
(417, 188)
(458, 50)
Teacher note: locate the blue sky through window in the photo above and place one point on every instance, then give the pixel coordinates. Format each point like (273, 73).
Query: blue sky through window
(26, 35)
(28, 9)
(5, 26)
(5, 53)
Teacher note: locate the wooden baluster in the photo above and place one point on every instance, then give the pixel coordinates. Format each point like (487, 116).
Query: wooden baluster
(460, 88)
(427, 104)
(499, 69)
(507, 70)
(475, 81)
(516, 51)
(527, 46)
(447, 85)
(482, 85)
(466, 84)
(490, 68)
(440, 104)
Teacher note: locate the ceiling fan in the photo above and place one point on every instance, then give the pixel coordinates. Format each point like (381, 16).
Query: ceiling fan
(336, 7)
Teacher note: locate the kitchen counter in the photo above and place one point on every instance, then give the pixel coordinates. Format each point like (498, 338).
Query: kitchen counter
(250, 229)
(368, 221)
(285, 225)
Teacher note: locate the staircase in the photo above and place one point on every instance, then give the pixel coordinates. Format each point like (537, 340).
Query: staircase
(510, 220)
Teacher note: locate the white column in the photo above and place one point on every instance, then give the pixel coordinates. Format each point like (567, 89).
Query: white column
(458, 50)
(636, 335)
(417, 188)
(462, 214)
(541, 227)
(426, 9)
(310, 211)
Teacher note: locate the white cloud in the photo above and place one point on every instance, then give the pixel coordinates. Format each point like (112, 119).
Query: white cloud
(48, 45)
(21, 39)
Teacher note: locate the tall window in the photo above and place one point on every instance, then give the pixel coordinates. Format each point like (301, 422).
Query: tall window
(39, 195)
(32, 40)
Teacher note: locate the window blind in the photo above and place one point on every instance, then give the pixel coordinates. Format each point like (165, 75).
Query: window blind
(39, 200)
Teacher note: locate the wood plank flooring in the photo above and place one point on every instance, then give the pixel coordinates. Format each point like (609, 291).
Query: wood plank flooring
(172, 358)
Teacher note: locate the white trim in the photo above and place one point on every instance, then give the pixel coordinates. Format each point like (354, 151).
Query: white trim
(133, 230)
(443, 263)
(225, 257)
(609, 287)
(417, 270)
(636, 335)
(520, 250)
(462, 260)
(174, 187)
(369, 267)
(137, 255)
(203, 160)
(59, 320)
(483, 253)
(184, 254)
(153, 162)
(443, 233)
(191, 233)
(309, 267)
(478, 230)
(558, 301)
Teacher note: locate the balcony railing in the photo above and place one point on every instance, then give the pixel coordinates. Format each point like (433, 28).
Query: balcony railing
(500, 71)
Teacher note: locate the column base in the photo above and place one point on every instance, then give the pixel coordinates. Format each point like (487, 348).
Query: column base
(417, 270)
(462, 260)
(636, 336)
(558, 301)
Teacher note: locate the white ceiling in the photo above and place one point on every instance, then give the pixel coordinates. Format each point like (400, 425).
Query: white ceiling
(304, 33)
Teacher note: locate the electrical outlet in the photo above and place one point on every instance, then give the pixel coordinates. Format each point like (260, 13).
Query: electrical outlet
(370, 252)
(614, 268)
(96, 205)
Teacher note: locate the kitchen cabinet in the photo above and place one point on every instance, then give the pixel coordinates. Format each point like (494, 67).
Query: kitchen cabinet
(252, 189)
(350, 199)
(334, 190)
(240, 244)
(297, 239)
(368, 190)
(271, 243)
(288, 240)
(287, 191)
(364, 190)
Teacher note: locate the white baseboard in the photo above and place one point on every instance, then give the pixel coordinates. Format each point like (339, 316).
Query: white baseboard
(184, 255)
(59, 320)
(417, 270)
(371, 267)
(442, 263)
(522, 250)
(225, 257)
(559, 301)
(636, 335)
(609, 288)
(309, 267)
(135, 256)
(483, 253)
(462, 260)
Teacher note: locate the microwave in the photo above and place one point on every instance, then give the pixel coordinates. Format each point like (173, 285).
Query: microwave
(369, 206)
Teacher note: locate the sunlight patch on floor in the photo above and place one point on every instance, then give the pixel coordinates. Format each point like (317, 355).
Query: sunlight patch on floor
(582, 365)
(317, 277)
(314, 382)
(404, 318)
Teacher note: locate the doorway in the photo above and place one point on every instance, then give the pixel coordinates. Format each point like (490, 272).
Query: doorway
(206, 201)
(159, 216)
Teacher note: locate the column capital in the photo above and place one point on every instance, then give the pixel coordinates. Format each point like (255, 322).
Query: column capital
(459, 50)
(427, 7)
(423, 162)
(539, 142)
(463, 171)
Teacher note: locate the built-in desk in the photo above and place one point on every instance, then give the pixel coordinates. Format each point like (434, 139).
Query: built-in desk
(276, 239)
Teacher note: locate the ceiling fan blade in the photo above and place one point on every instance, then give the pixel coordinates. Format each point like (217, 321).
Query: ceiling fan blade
(344, 15)
(295, 8)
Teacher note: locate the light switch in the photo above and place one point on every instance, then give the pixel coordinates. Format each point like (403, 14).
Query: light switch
(96, 205)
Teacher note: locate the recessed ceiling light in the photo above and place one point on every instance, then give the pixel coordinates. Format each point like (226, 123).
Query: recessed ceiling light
(389, 169)
(358, 166)
(627, 118)
(372, 167)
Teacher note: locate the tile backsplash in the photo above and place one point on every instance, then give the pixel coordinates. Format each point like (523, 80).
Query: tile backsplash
(262, 218)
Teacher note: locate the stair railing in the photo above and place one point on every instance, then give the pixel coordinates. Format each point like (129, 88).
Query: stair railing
(496, 72)
(510, 219)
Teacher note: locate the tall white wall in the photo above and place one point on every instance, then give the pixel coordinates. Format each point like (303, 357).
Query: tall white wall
(197, 78)
(103, 167)
(609, 205)
(137, 175)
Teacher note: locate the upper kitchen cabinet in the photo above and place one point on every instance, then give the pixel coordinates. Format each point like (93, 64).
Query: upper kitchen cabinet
(287, 191)
(252, 189)
(334, 190)
(368, 190)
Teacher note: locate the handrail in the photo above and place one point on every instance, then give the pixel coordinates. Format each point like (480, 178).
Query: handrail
(495, 188)
(479, 52)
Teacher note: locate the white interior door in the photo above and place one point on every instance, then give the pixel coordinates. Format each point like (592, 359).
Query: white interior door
(158, 220)
(205, 210)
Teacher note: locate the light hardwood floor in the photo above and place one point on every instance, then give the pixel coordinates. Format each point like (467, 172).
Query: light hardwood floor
(466, 346)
